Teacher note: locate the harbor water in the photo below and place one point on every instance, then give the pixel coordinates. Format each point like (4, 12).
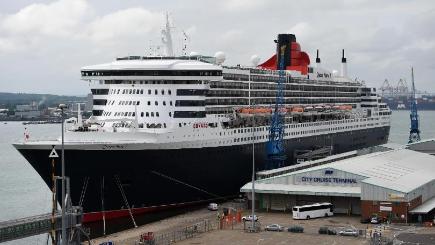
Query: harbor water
(23, 193)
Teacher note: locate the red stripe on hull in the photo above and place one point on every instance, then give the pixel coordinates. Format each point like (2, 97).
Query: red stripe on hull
(115, 214)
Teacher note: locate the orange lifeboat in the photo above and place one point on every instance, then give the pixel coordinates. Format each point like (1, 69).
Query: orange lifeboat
(297, 109)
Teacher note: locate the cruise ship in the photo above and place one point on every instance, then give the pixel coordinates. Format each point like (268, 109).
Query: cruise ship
(172, 131)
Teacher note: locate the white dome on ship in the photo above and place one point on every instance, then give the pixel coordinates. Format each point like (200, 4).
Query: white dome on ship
(220, 57)
(255, 59)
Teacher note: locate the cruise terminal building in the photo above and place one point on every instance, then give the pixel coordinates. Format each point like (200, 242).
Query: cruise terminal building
(395, 183)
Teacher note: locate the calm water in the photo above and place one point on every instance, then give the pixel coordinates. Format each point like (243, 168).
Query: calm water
(23, 193)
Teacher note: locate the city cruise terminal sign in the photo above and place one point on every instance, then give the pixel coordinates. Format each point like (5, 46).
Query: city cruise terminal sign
(333, 180)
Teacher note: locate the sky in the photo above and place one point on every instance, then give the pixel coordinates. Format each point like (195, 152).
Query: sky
(44, 43)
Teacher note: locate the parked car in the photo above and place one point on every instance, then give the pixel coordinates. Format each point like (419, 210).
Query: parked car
(274, 227)
(327, 231)
(107, 243)
(375, 220)
(249, 218)
(348, 232)
(212, 207)
(332, 232)
(296, 229)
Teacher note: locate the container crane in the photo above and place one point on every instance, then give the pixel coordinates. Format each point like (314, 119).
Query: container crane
(414, 133)
(275, 147)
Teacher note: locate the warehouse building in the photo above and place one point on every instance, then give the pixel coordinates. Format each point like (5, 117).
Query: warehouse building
(396, 183)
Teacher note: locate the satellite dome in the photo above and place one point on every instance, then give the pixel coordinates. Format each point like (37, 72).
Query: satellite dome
(255, 60)
(220, 57)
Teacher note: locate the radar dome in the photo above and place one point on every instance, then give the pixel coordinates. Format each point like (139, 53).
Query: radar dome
(255, 60)
(193, 54)
(220, 57)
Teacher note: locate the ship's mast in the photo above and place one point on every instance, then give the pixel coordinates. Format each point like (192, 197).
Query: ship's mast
(414, 133)
(167, 37)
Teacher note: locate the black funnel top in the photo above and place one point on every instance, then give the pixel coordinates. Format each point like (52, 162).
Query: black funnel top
(284, 40)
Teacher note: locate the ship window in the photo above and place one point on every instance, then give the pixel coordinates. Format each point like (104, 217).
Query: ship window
(170, 103)
(137, 91)
(189, 114)
(157, 114)
(100, 102)
(155, 91)
(134, 91)
(141, 91)
(131, 102)
(189, 103)
(152, 114)
(164, 125)
(130, 91)
(179, 125)
(149, 91)
(169, 91)
(156, 103)
(149, 102)
(99, 91)
(133, 114)
(170, 114)
(141, 114)
(164, 102)
(137, 102)
(163, 92)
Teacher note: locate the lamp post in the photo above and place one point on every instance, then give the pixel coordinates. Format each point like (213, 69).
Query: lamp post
(253, 175)
(64, 238)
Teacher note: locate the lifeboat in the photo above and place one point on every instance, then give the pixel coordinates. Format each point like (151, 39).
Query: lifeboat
(345, 107)
(297, 110)
(308, 108)
(319, 108)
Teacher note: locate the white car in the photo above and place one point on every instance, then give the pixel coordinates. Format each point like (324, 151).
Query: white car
(249, 218)
(348, 232)
(213, 207)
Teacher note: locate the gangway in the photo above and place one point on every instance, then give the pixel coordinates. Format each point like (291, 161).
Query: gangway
(40, 224)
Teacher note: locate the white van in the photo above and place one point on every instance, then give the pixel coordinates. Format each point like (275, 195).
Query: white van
(212, 207)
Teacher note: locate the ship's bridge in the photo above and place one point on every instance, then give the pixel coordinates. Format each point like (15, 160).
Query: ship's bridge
(152, 67)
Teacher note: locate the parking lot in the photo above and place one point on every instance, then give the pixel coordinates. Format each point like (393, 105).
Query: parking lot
(310, 235)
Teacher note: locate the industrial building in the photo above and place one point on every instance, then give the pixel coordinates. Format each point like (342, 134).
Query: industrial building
(395, 183)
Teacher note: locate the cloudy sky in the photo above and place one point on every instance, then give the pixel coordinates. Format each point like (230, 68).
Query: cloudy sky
(43, 43)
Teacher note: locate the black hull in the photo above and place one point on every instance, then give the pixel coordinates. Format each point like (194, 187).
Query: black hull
(159, 177)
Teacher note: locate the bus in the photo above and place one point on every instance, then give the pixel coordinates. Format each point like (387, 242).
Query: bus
(313, 211)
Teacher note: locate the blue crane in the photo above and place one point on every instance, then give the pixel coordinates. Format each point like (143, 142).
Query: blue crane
(414, 133)
(275, 147)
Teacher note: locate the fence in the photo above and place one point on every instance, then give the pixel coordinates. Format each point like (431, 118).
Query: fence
(182, 233)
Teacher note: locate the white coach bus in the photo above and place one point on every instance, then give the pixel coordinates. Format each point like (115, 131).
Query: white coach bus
(313, 211)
